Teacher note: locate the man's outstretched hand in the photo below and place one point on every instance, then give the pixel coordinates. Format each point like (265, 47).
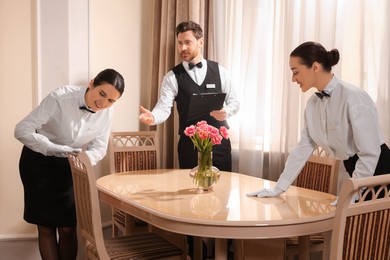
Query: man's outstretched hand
(145, 116)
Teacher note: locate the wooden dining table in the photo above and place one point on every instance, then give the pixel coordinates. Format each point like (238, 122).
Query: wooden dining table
(168, 199)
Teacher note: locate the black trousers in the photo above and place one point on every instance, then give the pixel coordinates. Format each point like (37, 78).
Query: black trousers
(188, 155)
(383, 166)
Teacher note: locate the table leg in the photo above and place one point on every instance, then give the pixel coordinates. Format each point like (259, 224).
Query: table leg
(220, 249)
(260, 249)
(326, 250)
(198, 248)
(304, 247)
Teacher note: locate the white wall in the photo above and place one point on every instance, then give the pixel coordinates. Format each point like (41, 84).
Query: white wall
(120, 38)
(76, 39)
(15, 102)
(62, 53)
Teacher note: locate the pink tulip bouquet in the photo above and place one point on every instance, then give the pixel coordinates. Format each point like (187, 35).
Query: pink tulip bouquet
(204, 136)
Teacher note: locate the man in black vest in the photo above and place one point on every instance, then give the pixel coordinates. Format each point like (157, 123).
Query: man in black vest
(194, 75)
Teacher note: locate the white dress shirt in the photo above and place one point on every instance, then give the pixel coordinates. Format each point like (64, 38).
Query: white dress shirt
(59, 120)
(169, 90)
(344, 124)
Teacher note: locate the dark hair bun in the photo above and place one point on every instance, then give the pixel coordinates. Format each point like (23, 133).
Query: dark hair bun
(333, 57)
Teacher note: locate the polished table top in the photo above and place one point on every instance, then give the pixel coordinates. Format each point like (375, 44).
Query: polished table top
(169, 199)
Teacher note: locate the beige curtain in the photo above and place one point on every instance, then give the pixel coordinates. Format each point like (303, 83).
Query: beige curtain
(253, 40)
(167, 14)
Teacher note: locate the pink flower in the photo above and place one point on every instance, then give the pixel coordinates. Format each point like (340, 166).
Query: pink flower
(217, 139)
(204, 136)
(190, 131)
(200, 123)
(224, 132)
(213, 131)
(202, 131)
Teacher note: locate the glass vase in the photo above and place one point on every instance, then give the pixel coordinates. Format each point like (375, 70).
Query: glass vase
(205, 175)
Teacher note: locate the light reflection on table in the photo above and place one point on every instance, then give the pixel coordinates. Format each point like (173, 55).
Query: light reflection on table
(169, 199)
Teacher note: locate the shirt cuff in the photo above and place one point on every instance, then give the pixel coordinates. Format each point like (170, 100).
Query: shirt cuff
(283, 184)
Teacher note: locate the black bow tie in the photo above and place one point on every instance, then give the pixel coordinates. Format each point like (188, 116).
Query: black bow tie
(322, 94)
(192, 65)
(87, 109)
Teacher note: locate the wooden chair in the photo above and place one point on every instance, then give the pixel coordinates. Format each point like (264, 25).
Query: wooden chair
(138, 246)
(320, 174)
(361, 229)
(130, 151)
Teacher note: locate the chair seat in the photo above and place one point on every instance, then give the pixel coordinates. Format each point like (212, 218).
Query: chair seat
(119, 217)
(140, 246)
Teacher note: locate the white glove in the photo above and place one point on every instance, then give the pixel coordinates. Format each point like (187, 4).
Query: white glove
(265, 193)
(61, 150)
(353, 200)
(53, 149)
(334, 203)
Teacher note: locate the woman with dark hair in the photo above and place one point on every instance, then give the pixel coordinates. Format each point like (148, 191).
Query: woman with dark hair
(341, 118)
(69, 119)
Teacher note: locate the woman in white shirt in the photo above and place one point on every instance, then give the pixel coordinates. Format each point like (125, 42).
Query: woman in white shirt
(69, 119)
(341, 118)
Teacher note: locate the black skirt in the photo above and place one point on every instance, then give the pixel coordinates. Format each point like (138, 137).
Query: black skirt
(48, 190)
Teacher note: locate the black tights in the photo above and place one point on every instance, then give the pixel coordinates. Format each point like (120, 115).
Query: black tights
(64, 249)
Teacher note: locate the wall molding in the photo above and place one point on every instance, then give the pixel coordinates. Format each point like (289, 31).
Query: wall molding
(18, 237)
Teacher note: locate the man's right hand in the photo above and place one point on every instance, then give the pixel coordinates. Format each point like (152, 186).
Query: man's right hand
(145, 116)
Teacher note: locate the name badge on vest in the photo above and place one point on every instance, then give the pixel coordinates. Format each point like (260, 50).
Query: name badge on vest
(210, 85)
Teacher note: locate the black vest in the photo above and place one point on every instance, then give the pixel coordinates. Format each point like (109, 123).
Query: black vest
(186, 87)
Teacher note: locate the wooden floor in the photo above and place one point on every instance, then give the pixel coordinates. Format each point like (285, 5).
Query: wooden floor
(19, 250)
(27, 249)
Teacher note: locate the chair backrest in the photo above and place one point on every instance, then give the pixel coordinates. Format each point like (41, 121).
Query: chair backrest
(87, 202)
(130, 151)
(319, 173)
(361, 230)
